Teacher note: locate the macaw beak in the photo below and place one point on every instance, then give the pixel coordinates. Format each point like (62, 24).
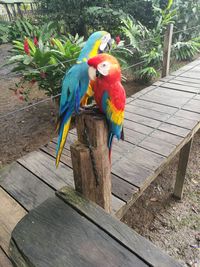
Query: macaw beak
(106, 45)
(92, 70)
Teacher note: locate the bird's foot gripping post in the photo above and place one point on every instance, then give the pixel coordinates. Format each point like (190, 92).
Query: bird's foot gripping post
(90, 159)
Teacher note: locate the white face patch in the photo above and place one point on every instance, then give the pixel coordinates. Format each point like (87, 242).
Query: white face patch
(104, 68)
(104, 41)
(92, 73)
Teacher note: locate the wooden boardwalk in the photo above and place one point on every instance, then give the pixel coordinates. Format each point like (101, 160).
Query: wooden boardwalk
(159, 121)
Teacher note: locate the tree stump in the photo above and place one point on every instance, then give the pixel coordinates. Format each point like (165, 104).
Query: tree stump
(90, 159)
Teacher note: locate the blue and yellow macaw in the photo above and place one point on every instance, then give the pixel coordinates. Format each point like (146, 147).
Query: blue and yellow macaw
(75, 87)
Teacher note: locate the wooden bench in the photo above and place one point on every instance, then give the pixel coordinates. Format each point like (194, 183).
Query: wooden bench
(71, 231)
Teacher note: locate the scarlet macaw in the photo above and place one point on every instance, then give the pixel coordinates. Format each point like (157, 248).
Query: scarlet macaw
(75, 85)
(109, 93)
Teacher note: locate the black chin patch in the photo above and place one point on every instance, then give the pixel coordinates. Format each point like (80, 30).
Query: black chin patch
(98, 74)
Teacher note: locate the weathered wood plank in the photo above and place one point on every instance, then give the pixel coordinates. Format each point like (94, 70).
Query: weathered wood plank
(121, 232)
(168, 92)
(167, 137)
(138, 155)
(4, 260)
(188, 115)
(169, 128)
(189, 80)
(10, 214)
(43, 166)
(165, 100)
(64, 236)
(158, 146)
(177, 86)
(120, 188)
(142, 120)
(193, 105)
(190, 75)
(181, 81)
(130, 171)
(155, 117)
(154, 106)
(23, 186)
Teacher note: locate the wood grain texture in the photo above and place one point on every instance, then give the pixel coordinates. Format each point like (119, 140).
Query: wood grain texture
(65, 238)
(23, 186)
(121, 232)
(92, 177)
(167, 50)
(10, 214)
(4, 260)
(43, 166)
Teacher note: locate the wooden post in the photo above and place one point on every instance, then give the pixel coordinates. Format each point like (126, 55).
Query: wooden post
(182, 167)
(8, 12)
(167, 50)
(90, 160)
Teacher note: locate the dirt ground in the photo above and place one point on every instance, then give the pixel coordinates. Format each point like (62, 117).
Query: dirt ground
(171, 225)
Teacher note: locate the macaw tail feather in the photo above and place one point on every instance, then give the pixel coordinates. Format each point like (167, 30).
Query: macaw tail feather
(63, 132)
(122, 134)
(110, 140)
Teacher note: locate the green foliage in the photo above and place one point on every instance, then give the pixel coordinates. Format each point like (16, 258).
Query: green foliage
(187, 17)
(147, 43)
(122, 53)
(47, 62)
(25, 28)
(186, 50)
(4, 32)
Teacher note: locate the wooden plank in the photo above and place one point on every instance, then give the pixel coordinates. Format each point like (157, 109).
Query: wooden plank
(138, 155)
(4, 260)
(64, 236)
(167, 92)
(154, 106)
(121, 232)
(23, 186)
(188, 114)
(182, 167)
(142, 120)
(190, 75)
(189, 80)
(167, 137)
(197, 97)
(137, 127)
(180, 81)
(166, 100)
(120, 188)
(158, 146)
(178, 87)
(10, 214)
(193, 105)
(43, 166)
(166, 127)
(182, 122)
(131, 172)
(174, 129)
(157, 115)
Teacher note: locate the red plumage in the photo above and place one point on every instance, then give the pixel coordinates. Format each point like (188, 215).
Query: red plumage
(109, 93)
